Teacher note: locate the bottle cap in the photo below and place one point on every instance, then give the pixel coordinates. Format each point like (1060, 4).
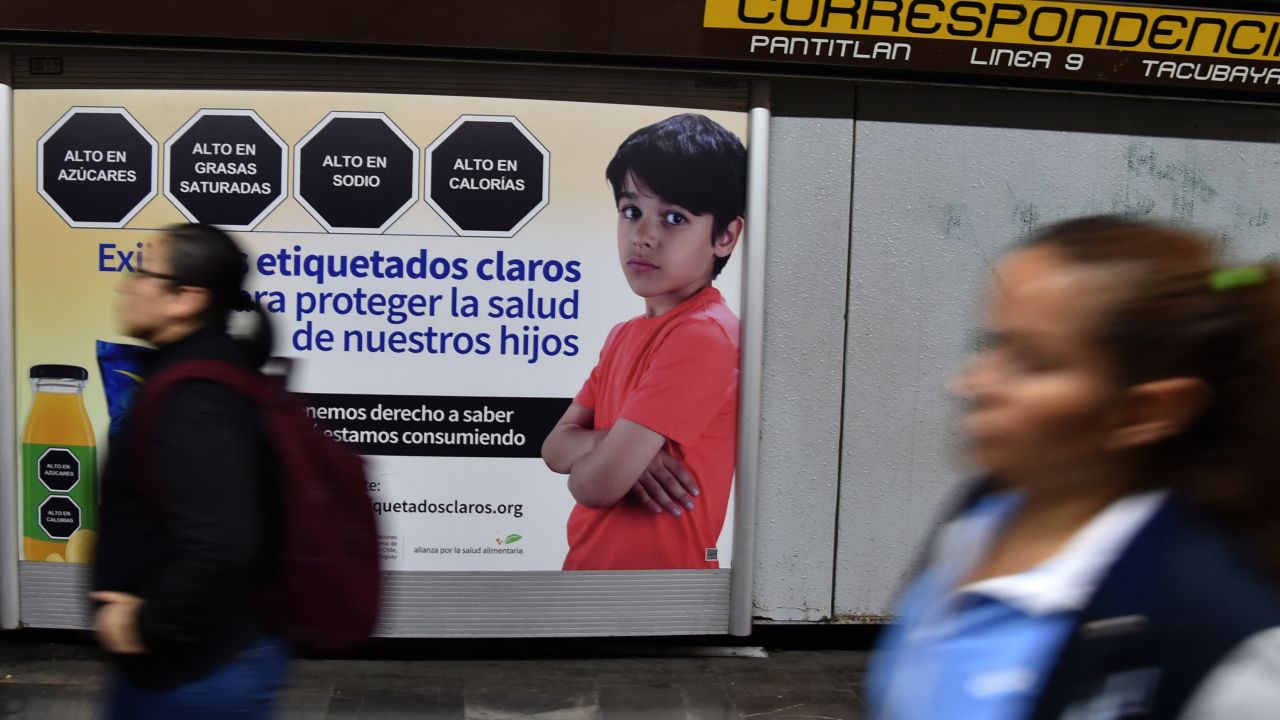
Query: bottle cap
(58, 372)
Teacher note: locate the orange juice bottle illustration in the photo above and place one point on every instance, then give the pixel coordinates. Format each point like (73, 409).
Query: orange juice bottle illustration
(59, 469)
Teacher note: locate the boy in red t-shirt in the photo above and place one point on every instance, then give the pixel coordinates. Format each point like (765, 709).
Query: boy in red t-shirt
(649, 442)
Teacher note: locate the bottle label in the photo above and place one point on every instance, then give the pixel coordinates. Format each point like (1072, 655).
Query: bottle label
(60, 491)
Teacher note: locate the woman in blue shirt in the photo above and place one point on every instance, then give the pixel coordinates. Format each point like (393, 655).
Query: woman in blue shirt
(1119, 558)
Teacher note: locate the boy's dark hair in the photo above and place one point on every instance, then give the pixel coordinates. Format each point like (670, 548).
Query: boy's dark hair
(689, 160)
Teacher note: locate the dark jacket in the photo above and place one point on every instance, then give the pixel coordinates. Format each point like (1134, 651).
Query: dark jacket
(198, 539)
(1175, 604)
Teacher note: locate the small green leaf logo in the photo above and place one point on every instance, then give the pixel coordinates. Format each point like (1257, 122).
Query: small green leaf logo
(511, 540)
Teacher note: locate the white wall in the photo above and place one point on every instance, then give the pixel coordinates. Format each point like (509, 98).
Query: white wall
(942, 180)
(811, 161)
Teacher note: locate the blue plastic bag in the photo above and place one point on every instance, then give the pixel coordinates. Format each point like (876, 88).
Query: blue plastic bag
(123, 372)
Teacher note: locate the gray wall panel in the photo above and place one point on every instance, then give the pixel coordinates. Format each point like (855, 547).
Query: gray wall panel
(811, 160)
(54, 595)
(102, 68)
(474, 604)
(943, 181)
(554, 604)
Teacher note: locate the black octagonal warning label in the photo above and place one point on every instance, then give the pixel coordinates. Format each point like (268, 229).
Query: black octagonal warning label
(59, 517)
(96, 167)
(487, 175)
(356, 172)
(58, 469)
(225, 168)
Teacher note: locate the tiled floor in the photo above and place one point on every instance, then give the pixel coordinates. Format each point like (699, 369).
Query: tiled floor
(61, 681)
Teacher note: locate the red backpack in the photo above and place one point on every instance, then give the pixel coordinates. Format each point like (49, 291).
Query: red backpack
(326, 593)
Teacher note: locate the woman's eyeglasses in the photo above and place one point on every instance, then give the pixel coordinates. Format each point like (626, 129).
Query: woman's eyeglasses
(160, 276)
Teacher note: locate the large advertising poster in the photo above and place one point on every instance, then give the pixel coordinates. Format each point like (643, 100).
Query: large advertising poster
(443, 271)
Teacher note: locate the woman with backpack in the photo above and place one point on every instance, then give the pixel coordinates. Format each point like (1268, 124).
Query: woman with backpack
(190, 516)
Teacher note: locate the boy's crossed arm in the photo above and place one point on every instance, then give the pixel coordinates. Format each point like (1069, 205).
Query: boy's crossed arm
(605, 465)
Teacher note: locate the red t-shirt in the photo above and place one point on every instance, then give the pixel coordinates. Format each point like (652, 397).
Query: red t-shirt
(676, 374)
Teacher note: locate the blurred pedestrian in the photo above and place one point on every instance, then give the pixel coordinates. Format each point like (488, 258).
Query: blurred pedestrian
(190, 525)
(1120, 557)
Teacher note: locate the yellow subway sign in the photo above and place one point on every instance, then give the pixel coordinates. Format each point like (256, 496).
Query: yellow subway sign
(1091, 41)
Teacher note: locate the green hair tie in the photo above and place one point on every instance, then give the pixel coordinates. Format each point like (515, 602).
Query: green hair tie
(1234, 278)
